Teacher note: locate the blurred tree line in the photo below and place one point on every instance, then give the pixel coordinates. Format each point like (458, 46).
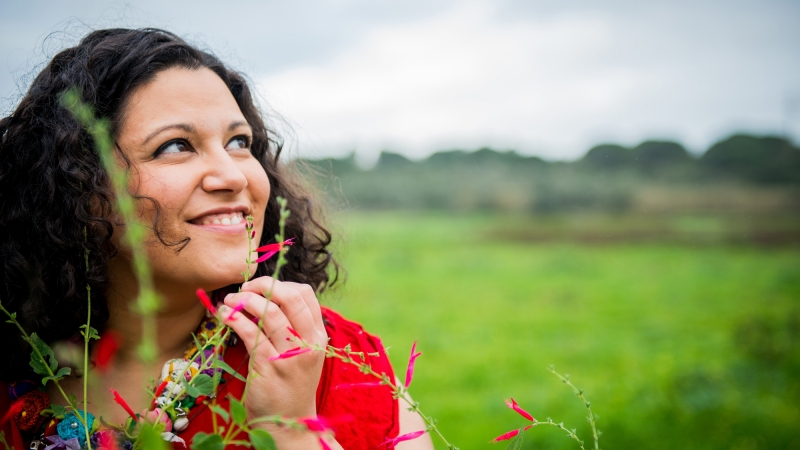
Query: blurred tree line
(740, 173)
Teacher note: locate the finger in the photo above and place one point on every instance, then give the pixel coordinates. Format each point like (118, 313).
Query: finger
(310, 297)
(252, 337)
(274, 323)
(291, 302)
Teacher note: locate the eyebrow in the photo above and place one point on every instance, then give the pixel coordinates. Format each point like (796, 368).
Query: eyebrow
(189, 128)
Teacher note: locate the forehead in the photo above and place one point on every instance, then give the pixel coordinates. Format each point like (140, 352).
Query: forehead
(179, 95)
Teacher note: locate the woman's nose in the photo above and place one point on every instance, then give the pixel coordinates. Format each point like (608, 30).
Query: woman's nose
(222, 173)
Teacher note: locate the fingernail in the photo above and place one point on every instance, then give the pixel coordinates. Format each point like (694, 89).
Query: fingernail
(227, 297)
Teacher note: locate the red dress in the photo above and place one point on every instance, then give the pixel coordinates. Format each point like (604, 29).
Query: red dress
(374, 413)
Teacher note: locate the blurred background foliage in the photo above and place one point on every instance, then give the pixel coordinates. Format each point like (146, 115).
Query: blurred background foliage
(667, 284)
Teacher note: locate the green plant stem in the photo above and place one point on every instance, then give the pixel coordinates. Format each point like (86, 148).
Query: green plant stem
(3, 441)
(586, 403)
(399, 392)
(284, 213)
(570, 433)
(147, 302)
(87, 335)
(27, 338)
(86, 338)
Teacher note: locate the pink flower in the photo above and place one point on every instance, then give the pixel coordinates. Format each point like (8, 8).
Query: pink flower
(294, 333)
(315, 424)
(405, 437)
(236, 308)
(513, 405)
(290, 353)
(411, 359)
(357, 385)
(510, 434)
(321, 424)
(106, 440)
(201, 294)
(124, 404)
(324, 444)
(270, 250)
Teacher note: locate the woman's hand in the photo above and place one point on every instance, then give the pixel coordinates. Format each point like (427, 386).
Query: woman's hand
(285, 386)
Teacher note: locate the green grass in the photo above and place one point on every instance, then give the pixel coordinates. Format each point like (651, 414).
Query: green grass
(647, 330)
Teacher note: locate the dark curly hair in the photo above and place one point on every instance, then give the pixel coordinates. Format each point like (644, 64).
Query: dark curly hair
(52, 187)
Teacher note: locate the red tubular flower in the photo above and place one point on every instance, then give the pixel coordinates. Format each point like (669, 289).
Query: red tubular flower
(106, 440)
(158, 392)
(317, 424)
(322, 425)
(290, 353)
(294, 333)
(405, 437)
(124, 404)
(236, 308)
(105, 349)
(15, 408)
(513, 405)
(206, 301)
(506, 436)
(510, 434)
(411, 359)
(270, 250)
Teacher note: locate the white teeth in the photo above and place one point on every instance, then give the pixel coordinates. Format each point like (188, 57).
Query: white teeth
(224, 219)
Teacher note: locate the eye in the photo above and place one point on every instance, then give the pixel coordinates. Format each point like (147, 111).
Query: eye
(238, 142)
(174, 146)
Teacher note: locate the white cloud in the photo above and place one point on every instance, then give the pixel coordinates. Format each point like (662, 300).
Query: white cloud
(458, 79)
(551, 83)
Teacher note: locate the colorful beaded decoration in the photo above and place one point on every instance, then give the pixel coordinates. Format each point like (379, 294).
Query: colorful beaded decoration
(34, 414)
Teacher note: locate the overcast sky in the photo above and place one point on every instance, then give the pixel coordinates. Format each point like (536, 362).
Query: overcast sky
(550, 78)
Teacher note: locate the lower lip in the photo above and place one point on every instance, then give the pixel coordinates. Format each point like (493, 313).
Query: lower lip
(239, 228)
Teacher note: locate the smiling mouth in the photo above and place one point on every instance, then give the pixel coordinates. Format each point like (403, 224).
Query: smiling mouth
(234, 218)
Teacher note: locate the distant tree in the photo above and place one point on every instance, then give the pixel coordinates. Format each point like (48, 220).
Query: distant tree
(336, 166)
(391, 161)
(653, 155)
(608, 156)
(758, 159)
(446, 158)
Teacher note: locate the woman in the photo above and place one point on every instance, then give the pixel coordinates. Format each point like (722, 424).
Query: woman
(200, 160)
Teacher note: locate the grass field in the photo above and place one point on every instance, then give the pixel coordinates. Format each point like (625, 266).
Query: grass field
(677, 345)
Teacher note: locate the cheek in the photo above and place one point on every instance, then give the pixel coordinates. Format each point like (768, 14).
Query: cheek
(153, 189)
(258, 183)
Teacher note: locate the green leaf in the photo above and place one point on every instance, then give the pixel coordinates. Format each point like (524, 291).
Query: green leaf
(203, 383)
(62, 372)
(221, 412)
(58, 411)
(218, 364)
(238, 412)
(262, 440)
(39, 366)
(192, 391)
(202, 441)
(516, 443)
(92, 332)
(150, 437)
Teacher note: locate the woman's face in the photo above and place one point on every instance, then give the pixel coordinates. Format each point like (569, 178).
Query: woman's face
(188, 144)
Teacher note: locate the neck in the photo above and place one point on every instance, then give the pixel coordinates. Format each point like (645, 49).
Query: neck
(176, 320)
